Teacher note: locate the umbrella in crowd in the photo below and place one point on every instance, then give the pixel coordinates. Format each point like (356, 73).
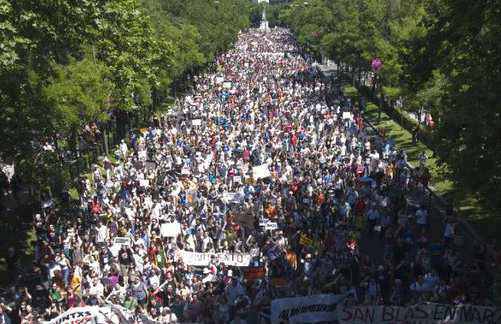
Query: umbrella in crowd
(262, 183)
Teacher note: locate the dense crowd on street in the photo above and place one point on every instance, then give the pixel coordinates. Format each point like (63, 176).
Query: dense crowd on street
(266, 160)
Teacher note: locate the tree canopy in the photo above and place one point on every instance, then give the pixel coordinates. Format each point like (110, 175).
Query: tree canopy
(67, 63)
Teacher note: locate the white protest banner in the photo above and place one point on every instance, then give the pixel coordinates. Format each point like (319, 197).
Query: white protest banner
(227, 85)
(170, 229)
(428, 313)
(78, 315)
(196, 122)
(233, 197)
(199, 259)
(271, 226)
(268, 225)
(107, 314)
(261, 171)
(121, 241)
(308, 309)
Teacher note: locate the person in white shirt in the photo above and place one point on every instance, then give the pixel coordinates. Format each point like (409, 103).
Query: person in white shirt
(96, 288)
(123, 149)
(102, 234)
(154, 279)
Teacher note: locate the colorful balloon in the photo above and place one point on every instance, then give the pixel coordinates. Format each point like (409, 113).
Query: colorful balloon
(376, 64)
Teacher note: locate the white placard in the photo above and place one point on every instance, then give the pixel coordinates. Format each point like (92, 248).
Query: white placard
(170, 229)
(122, 241)
(261, 171)
(233, 197)
(196, 122)
(347, 115)
(227, 85)
(308, 309)
(268, 225)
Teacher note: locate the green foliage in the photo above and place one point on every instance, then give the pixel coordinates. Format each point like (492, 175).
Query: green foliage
(392, 92)
(73, 194)
(126, 44)
(350, 91)
(466, 49)
(77, 92)
(217, 22)
(431, 93)
(354, 32)
(372, 106)
(10, 38)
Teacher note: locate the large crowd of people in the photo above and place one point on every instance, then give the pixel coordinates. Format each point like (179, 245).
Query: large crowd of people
(264, 163)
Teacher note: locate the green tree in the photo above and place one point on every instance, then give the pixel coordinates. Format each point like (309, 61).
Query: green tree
(464, 42)
(77, 93)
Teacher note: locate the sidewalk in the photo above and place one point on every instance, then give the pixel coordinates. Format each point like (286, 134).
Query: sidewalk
(480, 218)
(478, 223)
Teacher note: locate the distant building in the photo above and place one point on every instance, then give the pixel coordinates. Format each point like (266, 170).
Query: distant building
(264, 22)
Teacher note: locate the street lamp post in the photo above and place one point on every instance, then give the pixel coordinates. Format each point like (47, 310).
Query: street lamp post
(376, 65)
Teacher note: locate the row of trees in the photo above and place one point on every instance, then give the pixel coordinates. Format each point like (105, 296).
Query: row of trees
(69, 69)
(440, 54)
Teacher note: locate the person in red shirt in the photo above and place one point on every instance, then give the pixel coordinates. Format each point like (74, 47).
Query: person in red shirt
(360, 207)
(246, 154)
(294, 139)
(359, 121)
(95, 207)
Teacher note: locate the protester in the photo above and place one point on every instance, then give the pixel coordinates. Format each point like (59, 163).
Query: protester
(263, 162)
